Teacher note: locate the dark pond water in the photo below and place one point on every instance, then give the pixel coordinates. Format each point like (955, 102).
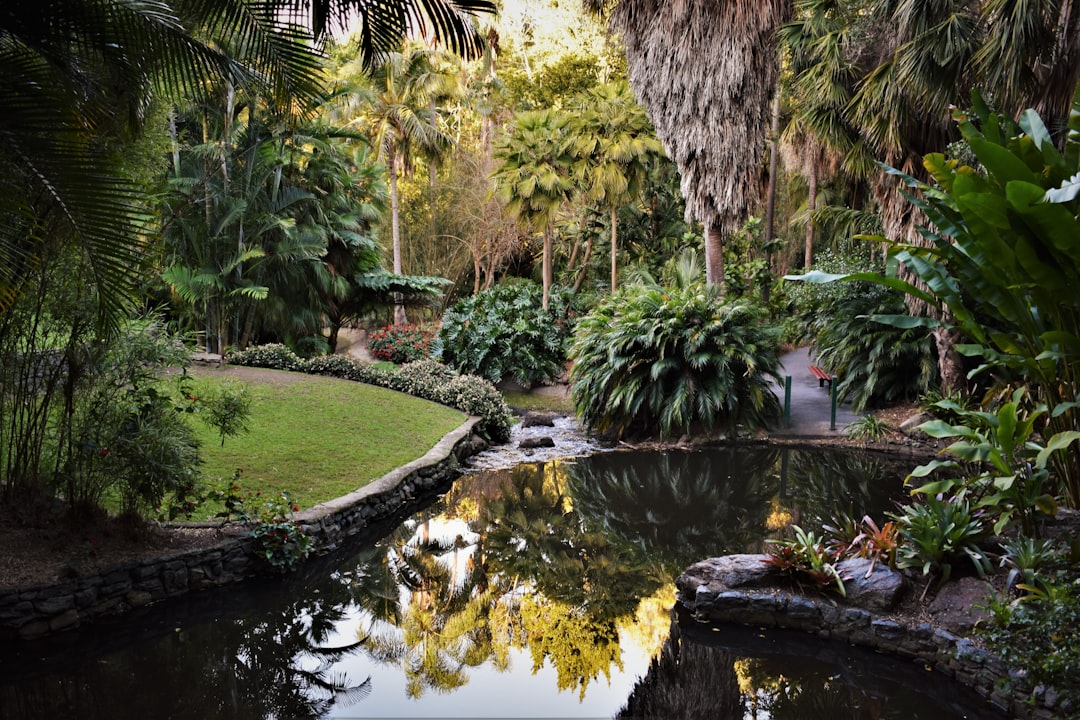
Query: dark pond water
(545, 590)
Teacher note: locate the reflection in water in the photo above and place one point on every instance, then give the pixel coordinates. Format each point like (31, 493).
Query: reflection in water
(729, 671)
(548, 585)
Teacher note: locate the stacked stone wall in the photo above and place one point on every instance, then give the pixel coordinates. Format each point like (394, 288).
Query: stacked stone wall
(33, 612)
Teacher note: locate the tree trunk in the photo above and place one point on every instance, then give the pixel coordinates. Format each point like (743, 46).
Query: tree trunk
(614, 237)
(549, 244)
(770, 205)
(950, 362)
(714, 255)
(395, 233)
(811, 204)
(584, 269)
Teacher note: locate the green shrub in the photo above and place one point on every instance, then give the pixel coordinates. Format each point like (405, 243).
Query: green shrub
(654, 360)
(504, 331)
(274, 356)
(401, 344)
(476, 396)
(127, 438)
(938, 533)
(1041, 637)
(877, 364)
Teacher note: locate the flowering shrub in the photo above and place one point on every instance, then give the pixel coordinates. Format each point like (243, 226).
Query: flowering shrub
(401, 344)
(280, 540)
(346, 368)
(274, 356)
(476, 396)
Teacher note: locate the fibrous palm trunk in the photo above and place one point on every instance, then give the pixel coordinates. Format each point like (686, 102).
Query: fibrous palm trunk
(706, 72)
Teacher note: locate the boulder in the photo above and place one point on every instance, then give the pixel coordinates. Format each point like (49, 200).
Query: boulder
(877, 590)
(535, 442)
(536, 419)
(728, 572)
(956, 606)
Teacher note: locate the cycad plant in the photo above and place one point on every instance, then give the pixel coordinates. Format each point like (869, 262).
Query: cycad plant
(654, 360)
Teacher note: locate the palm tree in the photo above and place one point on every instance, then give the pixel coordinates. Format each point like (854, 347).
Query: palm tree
(78, 87)
(397, 109)
(706, 71)
(874, 81)
(615, 146)
(534, 178)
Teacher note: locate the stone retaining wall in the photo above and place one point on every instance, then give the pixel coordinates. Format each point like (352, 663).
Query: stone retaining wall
(38, 611)
(702, 592)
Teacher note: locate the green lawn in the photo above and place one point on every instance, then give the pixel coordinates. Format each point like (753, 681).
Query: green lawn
(318, 438)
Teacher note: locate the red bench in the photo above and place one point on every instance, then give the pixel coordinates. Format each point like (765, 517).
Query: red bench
(822, 375)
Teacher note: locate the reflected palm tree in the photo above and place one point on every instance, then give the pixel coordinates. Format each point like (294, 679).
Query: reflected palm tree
(825, 483)
(689, 681)
(434, 610)
(534, 534)
(678, 507)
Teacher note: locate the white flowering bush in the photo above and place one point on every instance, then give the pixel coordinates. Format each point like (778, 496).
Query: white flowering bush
(347, 368)
(476, 396)
(274, 356)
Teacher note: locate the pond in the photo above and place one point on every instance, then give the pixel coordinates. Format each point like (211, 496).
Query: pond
(542, 590)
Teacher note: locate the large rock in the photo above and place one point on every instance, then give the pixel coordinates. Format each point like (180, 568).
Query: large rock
(530, 443)
(877, 590)
(538, 419)
(711, 577)
(957, 606)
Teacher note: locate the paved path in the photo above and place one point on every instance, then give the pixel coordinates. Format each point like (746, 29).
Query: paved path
(810, 407)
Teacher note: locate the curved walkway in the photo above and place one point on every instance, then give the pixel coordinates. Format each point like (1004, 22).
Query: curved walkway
(810, 404)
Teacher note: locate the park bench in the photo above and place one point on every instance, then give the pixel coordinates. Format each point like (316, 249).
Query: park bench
(822, 375)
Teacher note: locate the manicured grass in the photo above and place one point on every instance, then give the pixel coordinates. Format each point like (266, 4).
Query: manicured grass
(318, 438)
(538, 401)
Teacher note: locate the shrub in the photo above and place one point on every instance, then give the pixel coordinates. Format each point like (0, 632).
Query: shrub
(125, 434)
(476, 396)
(650, 359)
(274, 356)
(401, 344)
(503, 331)
(346, 368)
(1039, 636)
(938, 533)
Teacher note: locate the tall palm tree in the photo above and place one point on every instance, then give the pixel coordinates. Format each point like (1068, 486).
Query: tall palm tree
(397, 109)
(706, 71)
(616, 146)
(534, 178)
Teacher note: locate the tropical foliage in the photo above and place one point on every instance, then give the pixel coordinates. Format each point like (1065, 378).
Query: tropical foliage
(506, 332)
(674, 359)
(1002, 263)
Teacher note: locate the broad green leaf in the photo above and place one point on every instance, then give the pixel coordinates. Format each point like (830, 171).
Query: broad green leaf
(924, 470)
(1057, 442)
(1001, 162)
